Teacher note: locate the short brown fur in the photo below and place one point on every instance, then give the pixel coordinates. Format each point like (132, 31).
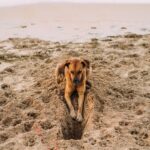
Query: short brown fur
(76, 72)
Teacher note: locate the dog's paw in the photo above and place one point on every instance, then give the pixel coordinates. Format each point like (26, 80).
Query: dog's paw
(73, 114)
(79, 117)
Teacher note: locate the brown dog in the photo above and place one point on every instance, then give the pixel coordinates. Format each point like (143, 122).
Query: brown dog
(76, 72)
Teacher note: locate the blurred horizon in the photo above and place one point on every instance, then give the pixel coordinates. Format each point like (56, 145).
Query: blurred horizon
(4, 3)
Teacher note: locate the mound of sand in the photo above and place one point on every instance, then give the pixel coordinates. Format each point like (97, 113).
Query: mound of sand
(33, 113)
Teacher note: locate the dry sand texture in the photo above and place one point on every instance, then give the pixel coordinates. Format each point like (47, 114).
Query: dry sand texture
(33, 113)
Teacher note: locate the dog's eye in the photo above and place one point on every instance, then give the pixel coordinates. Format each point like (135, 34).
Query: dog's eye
(79, 72)
(72, 72)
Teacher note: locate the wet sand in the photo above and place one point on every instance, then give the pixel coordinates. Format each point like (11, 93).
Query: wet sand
(73, 22)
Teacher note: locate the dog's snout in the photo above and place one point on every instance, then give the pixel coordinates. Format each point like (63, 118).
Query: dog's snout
(76, 81)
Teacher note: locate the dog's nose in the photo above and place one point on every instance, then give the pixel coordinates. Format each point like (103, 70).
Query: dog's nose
(75, 81)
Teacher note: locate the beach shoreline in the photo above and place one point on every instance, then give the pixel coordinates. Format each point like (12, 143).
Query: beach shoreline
(73, 22)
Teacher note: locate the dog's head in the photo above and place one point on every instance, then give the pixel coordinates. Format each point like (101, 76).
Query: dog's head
(77, 69)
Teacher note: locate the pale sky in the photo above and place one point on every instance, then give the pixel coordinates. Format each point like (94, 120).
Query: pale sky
(18, 2)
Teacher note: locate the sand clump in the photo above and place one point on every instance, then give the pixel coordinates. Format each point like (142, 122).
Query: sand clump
(33, 112)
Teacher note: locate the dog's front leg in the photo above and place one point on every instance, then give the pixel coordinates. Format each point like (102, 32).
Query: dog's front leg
(80, 106)
(71, 108)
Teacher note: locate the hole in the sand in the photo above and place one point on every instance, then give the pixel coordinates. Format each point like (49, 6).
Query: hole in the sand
(72, 129)
(3, 137)
(27, 126)
(32, 114)
(7, 121)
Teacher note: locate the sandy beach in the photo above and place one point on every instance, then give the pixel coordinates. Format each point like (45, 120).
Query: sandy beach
(73, 22)
(33, 113)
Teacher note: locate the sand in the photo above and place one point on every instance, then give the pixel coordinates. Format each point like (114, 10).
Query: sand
(73, 22)
(33, 112)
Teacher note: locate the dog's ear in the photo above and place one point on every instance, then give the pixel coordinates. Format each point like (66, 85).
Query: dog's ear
(86, 63)
(59, 72)
(67, 63)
